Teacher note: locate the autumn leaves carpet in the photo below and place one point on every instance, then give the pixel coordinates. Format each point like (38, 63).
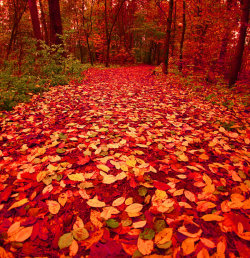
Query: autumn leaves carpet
(124, 165)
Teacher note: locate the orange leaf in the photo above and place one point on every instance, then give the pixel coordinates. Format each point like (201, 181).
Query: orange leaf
(23, 234)
(18, 204)
(190, 196)
(53, 206)
(204, 156)
(212, 217)
(119, 201)
(203, 253)
(188, 245)
(73, 248)
(207, 242)
(62, 199)
(145, 246)
(129, 249)
(134, 208)
(164, 236)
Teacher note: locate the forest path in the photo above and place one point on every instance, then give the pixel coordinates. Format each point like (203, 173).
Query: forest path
(157, 159)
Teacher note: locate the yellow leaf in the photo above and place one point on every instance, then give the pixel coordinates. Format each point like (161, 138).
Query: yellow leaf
(62, 198)
(135, 207)
(53, 206)
(40, 176)
(108, 179)
(108, 212)
(103, 167)
(164, 236)
(129, 201)
(178, 192)
(145, 246)
(183, 157)
(188, 246)
(119, 201)
(124, 167)
(131, 162)
(18, 204)
(139, 224)
(73, 248)
(121, 176)
(160, 194)
(76, 177)
(212, 217)
(23, 234)
(96, 203)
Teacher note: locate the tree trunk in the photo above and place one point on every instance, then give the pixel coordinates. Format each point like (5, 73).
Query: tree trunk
(168, 37)
(182, 35)
(35, 19)
(109, 31)
(44, 24)
(18, 14)
(55, 22)
(237, 61)
(174, 31)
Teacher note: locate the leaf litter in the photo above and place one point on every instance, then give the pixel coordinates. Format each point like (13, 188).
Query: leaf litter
(124, 165)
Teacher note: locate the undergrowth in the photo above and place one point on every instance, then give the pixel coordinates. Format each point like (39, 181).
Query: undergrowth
(36, 72)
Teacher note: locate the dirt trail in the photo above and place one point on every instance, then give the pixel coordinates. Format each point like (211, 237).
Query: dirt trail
(124, 164)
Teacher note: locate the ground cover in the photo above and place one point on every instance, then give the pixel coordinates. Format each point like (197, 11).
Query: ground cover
(125, 164)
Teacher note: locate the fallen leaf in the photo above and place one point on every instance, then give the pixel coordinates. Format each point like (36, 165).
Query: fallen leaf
(73, 248)
(53, 206)
(96, 203)
(23, 234)
(145, 246)
(18, 204)
(188, 245)
(134, 208)
(65, 240)
(164, 236)
(212, 217)
(62, 198)
(119, 201)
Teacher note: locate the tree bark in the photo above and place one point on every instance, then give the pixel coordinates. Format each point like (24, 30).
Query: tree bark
(44, 24)
(182, 35)
(55, 22)
(109, 31)
(168, 37)
(18, 14)
(237, 61)
(35, 19)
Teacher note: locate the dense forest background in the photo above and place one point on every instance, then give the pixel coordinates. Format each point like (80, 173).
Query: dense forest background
(46, 40)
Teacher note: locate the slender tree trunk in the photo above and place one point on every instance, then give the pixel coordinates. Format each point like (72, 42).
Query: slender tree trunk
(18, 14)
(35, 19)
(174, 31)
(109, 31)
(168, 37)
(44, 24)
(182, 35)
(237, 61)
(55, 22)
